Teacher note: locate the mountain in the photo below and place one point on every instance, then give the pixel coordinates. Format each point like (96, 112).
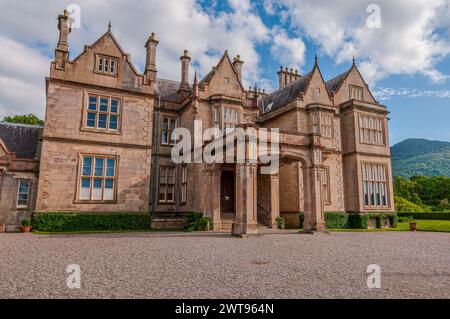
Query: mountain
(421, 157)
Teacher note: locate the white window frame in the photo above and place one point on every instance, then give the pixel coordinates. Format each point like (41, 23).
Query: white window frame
(326, 125)
(106, 65)
(169, 130)
(375, 186)
(97, 112)
(92, 177)
(166, 184)
(20, 181)
(371, 130)
(356, 93)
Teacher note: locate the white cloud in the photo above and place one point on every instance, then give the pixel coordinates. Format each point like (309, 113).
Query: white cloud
(384, 93)
(288, 51)
(29, 32)
(406, 43)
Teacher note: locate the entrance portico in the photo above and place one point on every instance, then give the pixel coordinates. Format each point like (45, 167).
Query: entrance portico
(253, 205)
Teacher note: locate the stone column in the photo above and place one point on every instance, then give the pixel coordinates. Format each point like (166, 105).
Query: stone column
(274, 199)
(212, 197)
(246, 202)
(314, 215)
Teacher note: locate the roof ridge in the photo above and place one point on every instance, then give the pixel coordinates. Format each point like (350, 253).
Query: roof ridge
(21, 124)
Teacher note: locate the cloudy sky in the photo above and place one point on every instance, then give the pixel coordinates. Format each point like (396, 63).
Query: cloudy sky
(402, 47)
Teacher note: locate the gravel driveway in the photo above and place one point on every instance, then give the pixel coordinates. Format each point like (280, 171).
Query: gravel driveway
(214, 265)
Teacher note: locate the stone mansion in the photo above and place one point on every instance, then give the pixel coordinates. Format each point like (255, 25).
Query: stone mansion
(106, 143)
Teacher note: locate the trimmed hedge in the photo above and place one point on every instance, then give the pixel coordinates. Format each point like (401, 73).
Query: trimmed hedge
(427, 216)
(73, 222)
(341, 220)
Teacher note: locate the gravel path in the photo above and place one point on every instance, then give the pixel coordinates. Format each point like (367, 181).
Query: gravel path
(213, 265)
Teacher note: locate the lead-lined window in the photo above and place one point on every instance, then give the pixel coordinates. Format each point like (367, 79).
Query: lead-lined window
(23, 193)
(166, 184)
(326, 125)
(103, 113)
(106, 65)
(371, 130)
(375, 185)
(183, 184)
(168, 126)
(356, 93)
(98, 178)
(229, 120)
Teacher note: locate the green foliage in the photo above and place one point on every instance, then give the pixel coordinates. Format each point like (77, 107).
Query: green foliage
(336, 220)
(281, 223)
(427, 215)
(196, 222)
(403, 205)
(24, 119)
(421, 157)
(73, 222)
(343, 220)
(422, 194)
(26, 222)
(405, 219)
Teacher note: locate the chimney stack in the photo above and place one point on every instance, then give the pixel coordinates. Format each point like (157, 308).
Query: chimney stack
(150, 64)
(287, 76)
(62, 50)
(185, 60)
(237, 63)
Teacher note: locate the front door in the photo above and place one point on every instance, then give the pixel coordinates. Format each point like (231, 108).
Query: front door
(227, 192)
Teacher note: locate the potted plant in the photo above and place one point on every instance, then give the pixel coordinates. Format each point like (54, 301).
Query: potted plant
(413, 225)
(281, 223)
(26, 226)
(2, 228)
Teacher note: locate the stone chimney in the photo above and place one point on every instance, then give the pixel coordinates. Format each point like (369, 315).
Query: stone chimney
(185, 60)
(62, 50)
(150, 64)
(237, 63)
(287, 76)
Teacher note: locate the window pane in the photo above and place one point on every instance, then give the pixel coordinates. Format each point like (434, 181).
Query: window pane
(22, 200)
(99, 164)
(23, 187)
(114, 106)
(113, 122)
(106, 65)
(113, 65)
(91, 118)
(164, 139)
(109, 190)
(92, 103)
(102, 118)
(85, 189)
(87, 166)
(104, 104)
(97, 190)
(110, 167)
(100, 65)
(170, 193)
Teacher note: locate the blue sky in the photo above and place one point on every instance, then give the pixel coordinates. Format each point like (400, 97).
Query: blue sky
(402, 48)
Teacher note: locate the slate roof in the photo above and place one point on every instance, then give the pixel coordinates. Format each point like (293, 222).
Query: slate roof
(22, 139)
(286, 94)
(333, 84)
(168, 89)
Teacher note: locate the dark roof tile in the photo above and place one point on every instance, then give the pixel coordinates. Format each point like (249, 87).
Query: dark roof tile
(22, 139)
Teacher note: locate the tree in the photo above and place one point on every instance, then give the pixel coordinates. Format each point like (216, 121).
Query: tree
(24, 119)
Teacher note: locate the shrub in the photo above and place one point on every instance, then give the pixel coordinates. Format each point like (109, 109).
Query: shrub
(427, 215)
(342, 220)
(73, 222)
(26, 222)
(403, 205)
(405, 219)
(281, 223)
(196, 222)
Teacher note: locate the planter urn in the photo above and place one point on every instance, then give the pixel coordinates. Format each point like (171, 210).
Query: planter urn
(25, 229)
(413, 226)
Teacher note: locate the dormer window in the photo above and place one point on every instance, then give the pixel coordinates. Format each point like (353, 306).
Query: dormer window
(106, 65)
(356, 93)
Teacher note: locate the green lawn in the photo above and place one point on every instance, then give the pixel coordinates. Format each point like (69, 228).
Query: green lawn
(422, 225)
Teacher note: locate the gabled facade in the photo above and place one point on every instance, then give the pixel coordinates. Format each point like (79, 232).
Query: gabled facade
(107, 141)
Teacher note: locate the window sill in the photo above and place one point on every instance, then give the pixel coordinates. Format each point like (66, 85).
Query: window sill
(100, 131)
(107, 202)
(115, 75)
